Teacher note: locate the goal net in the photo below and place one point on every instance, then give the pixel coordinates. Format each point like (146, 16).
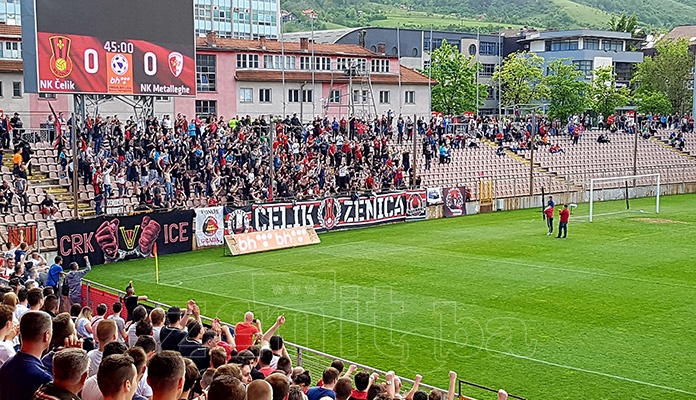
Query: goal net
(622, 188)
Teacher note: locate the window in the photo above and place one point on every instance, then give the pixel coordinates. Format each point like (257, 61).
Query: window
(272, 62)
(358, 98)
(322, 64)
(561, 44)
(246, 95)
(590, 44)
(585, 66)
(2, 90)
(344, 64)
(492, 93)
(335, 96)
(380, 66)
(613, 45)
(16, 89)
(305, 63)
(276, 62)
(437, 43)
(383, 97)
(12, 50)
(290, 62)
(248, 61)
(623, 71)
(487, 69)
(307, 96)
(293, 95)
(47, 96)
(206, 107)
(205, 72)
(410, 97)
(264, 95)
(488, 48)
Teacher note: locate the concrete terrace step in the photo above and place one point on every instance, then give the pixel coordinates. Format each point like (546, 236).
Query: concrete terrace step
(665, 143)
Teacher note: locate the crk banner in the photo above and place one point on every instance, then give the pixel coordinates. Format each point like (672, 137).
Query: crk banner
(210, 226)
(454, 199)
(108, 239)
(329, 213)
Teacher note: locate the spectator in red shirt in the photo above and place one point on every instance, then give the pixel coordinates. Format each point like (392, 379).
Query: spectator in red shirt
(246, 331)
(362, 383)
(563, 226)
(265, 358)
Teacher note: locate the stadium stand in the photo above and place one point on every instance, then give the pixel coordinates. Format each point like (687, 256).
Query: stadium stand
(187, 163)
(208, 349)
(589, 159)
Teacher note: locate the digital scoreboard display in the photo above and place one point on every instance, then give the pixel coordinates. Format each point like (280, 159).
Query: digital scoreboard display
(121, 47)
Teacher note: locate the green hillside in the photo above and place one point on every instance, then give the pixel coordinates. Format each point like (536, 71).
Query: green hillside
(468, 15)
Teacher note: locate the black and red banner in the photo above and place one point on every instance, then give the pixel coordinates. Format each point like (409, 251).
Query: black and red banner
(454, 200)
(107, 239)
(113, 50)
(331, 213)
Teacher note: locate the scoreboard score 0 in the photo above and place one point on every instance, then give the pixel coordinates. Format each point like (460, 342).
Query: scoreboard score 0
(124, 50)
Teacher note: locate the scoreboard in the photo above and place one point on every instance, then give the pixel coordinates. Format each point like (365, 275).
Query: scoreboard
(121, 47)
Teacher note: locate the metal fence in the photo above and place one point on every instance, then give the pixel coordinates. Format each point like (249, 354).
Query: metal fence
(309, 359)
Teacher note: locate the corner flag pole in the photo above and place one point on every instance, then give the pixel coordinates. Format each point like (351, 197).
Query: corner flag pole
(156, 264)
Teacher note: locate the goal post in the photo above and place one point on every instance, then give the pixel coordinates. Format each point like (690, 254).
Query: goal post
(625, 178)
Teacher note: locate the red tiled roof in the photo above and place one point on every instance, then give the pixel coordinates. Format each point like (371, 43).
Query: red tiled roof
(10, 30)
(11, 66)
(408, 76)
(274, 46)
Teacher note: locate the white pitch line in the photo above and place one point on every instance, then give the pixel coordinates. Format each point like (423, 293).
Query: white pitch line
(219, 274)
(197, 266)
(550, 363)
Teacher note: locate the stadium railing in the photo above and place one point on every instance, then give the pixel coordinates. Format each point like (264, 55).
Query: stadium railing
(94, 293)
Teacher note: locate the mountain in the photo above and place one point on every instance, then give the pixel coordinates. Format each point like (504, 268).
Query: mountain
(468, 15)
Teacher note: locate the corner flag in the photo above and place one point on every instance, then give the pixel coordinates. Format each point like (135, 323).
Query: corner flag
(154, 251)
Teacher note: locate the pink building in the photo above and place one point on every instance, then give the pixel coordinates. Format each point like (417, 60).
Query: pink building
(245, 77)
(248, 77)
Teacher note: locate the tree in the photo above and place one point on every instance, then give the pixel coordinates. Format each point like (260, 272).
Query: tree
(566, 89)
(455, 92)
(521, 78)
(668, 72)
(624, 24)
(605, 96)
(653, 103)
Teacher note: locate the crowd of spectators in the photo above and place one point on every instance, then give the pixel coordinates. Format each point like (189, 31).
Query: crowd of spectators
(167, 162)
(164, 354)
(515, 134)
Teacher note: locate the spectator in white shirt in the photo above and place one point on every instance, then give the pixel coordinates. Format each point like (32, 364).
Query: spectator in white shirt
(8, 331)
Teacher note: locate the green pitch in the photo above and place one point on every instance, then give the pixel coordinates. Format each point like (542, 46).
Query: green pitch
(606, 314)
